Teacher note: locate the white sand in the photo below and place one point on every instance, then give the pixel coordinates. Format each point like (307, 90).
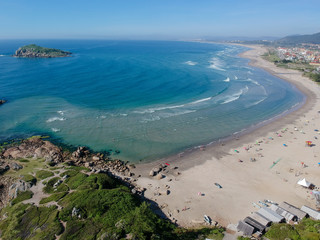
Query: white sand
(245, 182)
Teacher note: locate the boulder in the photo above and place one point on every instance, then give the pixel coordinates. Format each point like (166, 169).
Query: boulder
(36, 148)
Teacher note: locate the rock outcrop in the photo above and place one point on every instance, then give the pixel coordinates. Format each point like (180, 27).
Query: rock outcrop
(35, 148)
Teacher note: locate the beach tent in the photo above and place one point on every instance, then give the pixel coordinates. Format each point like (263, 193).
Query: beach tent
(304, 183)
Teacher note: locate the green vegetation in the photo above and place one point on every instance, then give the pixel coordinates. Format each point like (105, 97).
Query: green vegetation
(53, 198)
(304, 67)
(26, 221)
(314, 76)
(243, 238)
(98, 207)
(41, 52)
(307, 229)
(22, 196)
(43, 174)
(49, 188)
(29, 178)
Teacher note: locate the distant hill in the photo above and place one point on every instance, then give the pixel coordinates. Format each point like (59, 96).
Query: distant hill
(34, 51)
(298, 39)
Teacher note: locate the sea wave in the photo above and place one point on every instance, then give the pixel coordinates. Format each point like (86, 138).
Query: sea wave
(153, 110)
(217, 64)
(227, 80)
(191, 63)
(61, 112)
(55, 129)
(253, 81)
(256, 103)
(235, 96)
(1, 55)
(55, 119)
(235, 77)
(165, 115)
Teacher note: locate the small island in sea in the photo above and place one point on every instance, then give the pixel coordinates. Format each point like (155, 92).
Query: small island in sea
(35, 51)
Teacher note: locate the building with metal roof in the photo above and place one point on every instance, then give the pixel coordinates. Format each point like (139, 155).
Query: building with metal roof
(261, 219)
(258, 226)
(287, 215)
(245, 228)
(292, 209)
(271, 215)
(311, 212)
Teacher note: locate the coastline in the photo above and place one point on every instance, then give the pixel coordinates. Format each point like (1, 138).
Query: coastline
(243, 182)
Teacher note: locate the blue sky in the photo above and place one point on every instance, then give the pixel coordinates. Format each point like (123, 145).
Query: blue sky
(157, 19)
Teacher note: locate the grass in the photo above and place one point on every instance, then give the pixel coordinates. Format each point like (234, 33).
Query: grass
(43, 174)
(53, 198)
(108, 210)
(22, 196)
(31, 222)
(28, 167)
(29, 178)
(49, 188)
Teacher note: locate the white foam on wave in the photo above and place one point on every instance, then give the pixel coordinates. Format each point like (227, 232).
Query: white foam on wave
(1, 55)
(256, 103)
(217, 64)
(55, 129)
(235, 77)
(165, 115)
(253, 81)
(191, 63)
(227, 80)
(61, 112)
(235, 96)
(55, 119)
(153, 110)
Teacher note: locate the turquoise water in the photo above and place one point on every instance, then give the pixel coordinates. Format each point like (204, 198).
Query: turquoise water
(147, 99)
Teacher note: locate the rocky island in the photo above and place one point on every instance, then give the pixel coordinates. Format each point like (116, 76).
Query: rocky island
(35, 51)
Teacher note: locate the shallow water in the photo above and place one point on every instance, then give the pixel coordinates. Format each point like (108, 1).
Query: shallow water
(147, 99)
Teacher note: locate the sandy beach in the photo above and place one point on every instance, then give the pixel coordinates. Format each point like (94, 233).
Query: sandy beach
(264, 163)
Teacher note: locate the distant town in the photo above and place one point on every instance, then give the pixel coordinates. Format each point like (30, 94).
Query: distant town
(309, 53)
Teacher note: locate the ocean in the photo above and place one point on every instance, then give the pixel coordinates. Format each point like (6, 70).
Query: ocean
(146, 99)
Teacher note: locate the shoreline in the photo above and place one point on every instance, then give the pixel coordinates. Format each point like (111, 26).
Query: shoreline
(193, 173)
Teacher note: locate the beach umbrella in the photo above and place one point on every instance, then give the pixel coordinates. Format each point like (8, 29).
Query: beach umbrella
(285, 145)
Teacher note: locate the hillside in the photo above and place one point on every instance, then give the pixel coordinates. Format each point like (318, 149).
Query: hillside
(47, 193)
(34, 51)
(298, 39)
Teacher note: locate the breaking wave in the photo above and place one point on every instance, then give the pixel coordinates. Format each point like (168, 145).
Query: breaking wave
(217, 64)
(55, 119)
(191, 63)
(235, 96)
